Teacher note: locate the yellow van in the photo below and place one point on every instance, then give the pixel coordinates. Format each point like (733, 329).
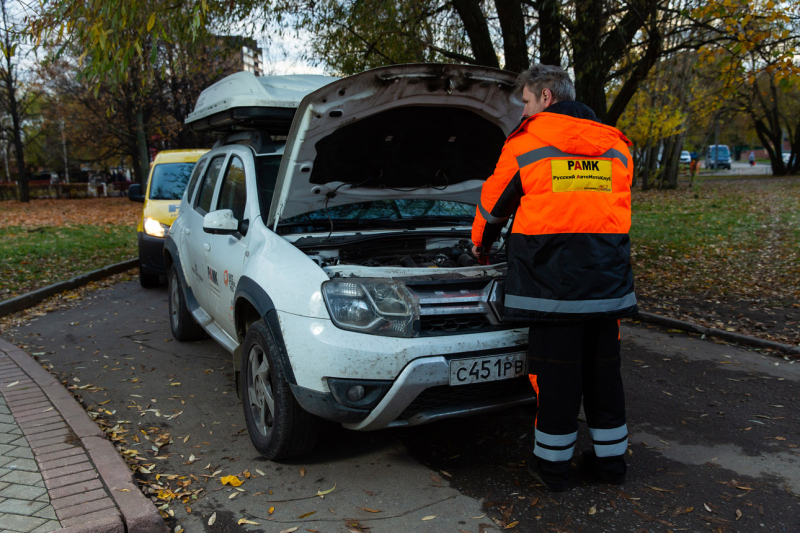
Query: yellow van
(169, 176)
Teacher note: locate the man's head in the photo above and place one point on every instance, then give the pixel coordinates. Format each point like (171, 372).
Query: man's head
(542, 86)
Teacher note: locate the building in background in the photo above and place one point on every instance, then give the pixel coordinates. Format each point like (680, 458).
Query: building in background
(241, 53)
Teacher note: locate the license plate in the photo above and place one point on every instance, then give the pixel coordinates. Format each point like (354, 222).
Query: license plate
(483, 369)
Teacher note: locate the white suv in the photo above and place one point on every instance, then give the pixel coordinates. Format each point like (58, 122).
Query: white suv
(336, 267)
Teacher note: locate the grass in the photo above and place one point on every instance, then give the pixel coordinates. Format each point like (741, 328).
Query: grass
(735, 239)
(47, 241)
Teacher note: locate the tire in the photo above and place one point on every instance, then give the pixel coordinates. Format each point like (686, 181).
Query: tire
(148, 281)
(183, 325)
(279, 428)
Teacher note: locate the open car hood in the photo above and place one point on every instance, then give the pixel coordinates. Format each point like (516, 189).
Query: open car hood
(425, 131)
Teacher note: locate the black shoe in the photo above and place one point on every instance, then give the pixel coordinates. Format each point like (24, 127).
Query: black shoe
(603, 467)
(535, 471)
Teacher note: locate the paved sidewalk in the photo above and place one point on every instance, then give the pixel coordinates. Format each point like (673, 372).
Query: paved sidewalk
(57, 470)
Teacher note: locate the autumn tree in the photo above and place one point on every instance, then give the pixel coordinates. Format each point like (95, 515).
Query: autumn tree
(754, 61)
(14, 96)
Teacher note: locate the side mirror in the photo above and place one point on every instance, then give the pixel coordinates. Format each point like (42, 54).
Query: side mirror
(221, 222)
(135, 193)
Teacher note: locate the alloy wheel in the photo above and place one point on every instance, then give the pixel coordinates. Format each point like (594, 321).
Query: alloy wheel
(259, 391)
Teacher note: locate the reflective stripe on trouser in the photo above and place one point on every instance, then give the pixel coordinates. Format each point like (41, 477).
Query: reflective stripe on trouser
(610, 442)
(554, 447)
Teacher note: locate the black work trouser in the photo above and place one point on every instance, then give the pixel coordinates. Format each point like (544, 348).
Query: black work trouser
(567, 361)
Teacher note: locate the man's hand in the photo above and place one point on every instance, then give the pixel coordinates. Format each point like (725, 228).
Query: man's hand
(480, 256)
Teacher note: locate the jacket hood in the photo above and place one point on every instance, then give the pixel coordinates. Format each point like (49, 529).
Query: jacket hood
(574, 135)
(426, 131)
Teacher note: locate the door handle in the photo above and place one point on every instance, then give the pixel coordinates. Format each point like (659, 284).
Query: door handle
(206, 246)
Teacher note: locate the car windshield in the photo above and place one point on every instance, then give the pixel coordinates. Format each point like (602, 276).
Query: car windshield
(170, 180)
(389, 210)
(685, 153)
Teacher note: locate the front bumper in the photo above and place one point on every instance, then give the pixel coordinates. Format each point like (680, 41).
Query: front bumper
(151, 254)
(431, 377)
(417, 370)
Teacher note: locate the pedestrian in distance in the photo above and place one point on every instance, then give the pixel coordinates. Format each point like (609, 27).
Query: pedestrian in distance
(566, 178)
(752, 158)
(693, 167)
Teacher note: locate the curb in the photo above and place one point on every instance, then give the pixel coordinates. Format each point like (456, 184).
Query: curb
(34, 297)
(713, 332)
(139, 515)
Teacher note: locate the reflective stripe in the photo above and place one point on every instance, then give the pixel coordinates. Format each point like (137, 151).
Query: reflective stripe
(555, 440)
(553, 455)
(545, 152)
(489, 218)
(601, 435)
(569, 306)
(611, 450)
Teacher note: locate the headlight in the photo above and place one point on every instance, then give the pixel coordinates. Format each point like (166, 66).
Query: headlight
(155, 228)
(376, 307)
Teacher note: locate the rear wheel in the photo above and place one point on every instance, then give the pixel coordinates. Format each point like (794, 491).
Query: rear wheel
(148, 281)
(279, 428)
(183, 325)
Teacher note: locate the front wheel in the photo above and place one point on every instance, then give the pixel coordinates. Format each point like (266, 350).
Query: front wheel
(183, 325)
(279, 428)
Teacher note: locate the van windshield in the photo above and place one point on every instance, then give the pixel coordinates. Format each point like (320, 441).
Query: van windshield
(724, 153)
(170, 180)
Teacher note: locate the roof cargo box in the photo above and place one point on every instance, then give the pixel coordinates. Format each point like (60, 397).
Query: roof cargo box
(243, 101)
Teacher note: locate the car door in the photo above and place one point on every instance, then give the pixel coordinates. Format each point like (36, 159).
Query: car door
(227, 254)
(196, 242)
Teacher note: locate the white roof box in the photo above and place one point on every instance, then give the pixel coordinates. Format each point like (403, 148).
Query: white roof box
(243, 101)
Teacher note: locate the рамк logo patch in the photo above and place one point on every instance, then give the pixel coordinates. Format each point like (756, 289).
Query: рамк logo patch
(570, 175)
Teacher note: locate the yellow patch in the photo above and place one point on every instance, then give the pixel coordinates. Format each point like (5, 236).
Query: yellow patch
(570, 175)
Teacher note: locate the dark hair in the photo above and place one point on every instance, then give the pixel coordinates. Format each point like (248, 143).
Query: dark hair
(551, 77)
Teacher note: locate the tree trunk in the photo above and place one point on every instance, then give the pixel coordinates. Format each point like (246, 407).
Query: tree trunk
(589, 65)
(512, 25)
(141, 145)
(478, 31)
(672, 158)
(549, 31)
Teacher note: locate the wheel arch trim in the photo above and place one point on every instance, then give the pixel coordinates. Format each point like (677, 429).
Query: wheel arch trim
(250, 291)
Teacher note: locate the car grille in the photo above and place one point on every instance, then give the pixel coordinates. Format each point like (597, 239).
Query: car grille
(447, 396)
(458, 307)
(444, 325)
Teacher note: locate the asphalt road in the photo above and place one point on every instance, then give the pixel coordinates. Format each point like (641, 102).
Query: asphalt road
(714, 439)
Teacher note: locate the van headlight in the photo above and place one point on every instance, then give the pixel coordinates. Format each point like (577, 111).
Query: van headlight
(372, 306)
(155, 228)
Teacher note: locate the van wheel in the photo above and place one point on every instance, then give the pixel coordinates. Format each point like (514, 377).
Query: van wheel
(279, 428)
(183, 325)
(148, 281)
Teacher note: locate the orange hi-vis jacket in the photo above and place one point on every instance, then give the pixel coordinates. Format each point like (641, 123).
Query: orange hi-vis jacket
(567, 181)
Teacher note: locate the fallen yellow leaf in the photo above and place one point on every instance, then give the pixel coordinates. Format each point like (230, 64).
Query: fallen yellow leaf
(429, 517)
(290, 530)
(369, 510)
(324, 492)
(246, 521)
(271, 510)
(306, 515)
(303, 472)
(232, 480)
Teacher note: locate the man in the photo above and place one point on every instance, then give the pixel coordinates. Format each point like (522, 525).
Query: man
(566, 178)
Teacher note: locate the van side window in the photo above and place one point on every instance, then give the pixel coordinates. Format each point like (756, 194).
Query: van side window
(206, 192)
(198, 170)
(233, 194)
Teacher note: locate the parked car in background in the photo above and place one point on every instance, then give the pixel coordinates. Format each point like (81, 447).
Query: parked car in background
(686, 157)
(787, 158)
(336, 269)
(718, 156)
(169, 175)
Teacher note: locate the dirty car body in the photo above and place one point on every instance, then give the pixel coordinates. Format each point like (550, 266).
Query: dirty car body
(348, 249)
